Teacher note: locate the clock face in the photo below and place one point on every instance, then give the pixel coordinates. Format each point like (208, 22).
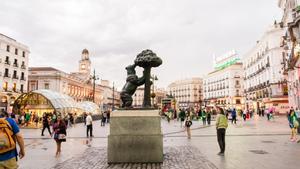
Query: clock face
(82, 66)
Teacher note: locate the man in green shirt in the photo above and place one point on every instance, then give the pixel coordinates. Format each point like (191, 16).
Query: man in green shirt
(221, 126)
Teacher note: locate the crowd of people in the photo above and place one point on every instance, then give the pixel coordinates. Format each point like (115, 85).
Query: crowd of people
(57, 125)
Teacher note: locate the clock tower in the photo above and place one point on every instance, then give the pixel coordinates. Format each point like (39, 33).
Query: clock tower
(85, 63)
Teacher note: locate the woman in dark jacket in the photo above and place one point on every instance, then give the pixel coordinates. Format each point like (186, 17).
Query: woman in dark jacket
(60, 133)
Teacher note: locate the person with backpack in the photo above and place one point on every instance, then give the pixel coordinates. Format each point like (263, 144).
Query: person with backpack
(221, 126)
(10, 136)
(188, 124)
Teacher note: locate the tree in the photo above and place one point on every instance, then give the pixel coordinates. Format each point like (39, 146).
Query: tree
(147, 59)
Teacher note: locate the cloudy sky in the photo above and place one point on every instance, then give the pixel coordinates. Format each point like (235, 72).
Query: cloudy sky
(184, 33)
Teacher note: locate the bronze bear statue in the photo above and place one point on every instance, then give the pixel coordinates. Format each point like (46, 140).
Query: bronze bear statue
(132, 82)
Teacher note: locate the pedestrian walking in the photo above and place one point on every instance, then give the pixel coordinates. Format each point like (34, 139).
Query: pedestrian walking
(46, 124)
(36, 120)
(74, 119)
(294, 124)
(262, 112)
(188, 124)
(221, 126)
(203, 116)
(54, 118)
(84, 117)
(27, 118)
(297, 112)
(89, 125)
(245, 114)
(208, 117)
(182, 116)
(103, 119)
(10, 137)
(108, 116)
(60, 134)
(233, 116)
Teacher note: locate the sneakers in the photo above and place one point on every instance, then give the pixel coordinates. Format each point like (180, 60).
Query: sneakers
(221, 154)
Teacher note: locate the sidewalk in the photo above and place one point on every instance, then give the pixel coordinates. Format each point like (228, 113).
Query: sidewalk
(257, 143)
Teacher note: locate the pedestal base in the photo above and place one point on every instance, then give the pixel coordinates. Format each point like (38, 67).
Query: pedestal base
(135, 137)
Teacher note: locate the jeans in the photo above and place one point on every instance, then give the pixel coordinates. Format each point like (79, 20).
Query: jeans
(221, 139)
(89, 129)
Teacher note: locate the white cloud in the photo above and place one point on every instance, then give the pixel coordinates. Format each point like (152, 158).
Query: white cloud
(184, 33)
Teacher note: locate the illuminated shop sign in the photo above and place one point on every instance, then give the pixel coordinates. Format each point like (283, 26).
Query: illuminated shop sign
(226, 60)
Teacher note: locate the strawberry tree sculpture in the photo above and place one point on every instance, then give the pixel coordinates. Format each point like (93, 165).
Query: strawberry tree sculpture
(147, 59)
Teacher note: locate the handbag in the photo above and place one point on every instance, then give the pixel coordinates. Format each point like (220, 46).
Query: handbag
(62, 137)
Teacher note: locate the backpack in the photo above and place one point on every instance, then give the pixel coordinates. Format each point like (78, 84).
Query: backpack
(188, 123)
(7, 142)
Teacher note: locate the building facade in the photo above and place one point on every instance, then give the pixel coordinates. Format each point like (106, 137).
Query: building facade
(265, 84)
(110, 96)
(79, 85)
(138, 97)
(13, 70)
(290, 42)
(224, 86)
(187, 92)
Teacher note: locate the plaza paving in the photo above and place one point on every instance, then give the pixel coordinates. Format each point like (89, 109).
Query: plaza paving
(252, 144)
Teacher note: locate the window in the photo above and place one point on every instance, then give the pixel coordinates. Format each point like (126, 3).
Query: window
(237, 82)
(238, 101)
(23, 54)
(16, 51)
(22, 76)
(33, 86)
(46, 85)
(22, 88)
(7, 48)
(15, 74)
(6, 72)
(23, 65)
(16, 63)
(7, 60)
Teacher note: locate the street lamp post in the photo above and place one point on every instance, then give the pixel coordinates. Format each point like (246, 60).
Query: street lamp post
(113, 97)
(153, 77)
(94, 78)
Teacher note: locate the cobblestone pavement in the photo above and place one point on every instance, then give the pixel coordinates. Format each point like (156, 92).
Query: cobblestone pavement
(256, 143)
(181, 157)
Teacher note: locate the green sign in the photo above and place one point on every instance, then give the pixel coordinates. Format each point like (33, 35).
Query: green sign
(227, 63)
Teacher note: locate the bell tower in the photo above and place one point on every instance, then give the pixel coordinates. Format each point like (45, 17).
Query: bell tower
(85, 63)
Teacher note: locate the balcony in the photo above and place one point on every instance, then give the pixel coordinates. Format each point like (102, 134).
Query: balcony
(23, 66)
(237, 86)
(7, 62)
(16, 65)
(7, 75)
(23, 78)
(15, 77)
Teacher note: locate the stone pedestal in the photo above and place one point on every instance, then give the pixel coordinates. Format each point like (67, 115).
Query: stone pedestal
(135, 137)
